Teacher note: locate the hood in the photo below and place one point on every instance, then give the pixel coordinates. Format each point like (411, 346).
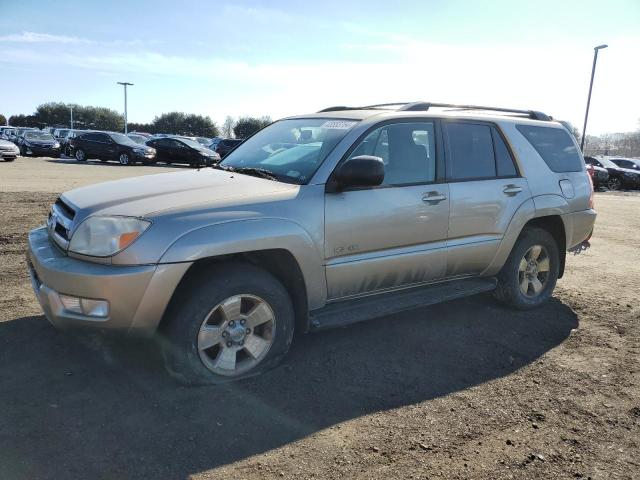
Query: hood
(150, 195)
(625, 170)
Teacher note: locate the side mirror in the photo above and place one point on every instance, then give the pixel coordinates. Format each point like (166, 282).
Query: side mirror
(360, 171)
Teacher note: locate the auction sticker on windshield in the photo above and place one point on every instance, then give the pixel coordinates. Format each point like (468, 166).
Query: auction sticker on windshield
(338, 124)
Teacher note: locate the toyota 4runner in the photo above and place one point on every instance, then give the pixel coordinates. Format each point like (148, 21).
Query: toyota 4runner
(318, 221)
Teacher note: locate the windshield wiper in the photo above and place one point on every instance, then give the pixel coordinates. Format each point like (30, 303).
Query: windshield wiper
(258, 172)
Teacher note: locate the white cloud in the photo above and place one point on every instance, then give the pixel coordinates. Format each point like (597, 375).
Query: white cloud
(552, 79)
(34, 37)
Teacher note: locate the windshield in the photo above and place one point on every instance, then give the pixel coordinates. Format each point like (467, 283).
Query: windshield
(122, 139)
(138, 138)
(203, 141)
(607, 163)
(290, 149)
(38, 136)
(191, 143)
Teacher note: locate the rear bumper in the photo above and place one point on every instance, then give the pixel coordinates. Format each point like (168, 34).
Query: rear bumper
(578, 226)
(137, 295)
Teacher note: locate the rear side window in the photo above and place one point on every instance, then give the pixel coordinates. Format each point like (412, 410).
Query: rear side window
(470, 151)
(554, 146)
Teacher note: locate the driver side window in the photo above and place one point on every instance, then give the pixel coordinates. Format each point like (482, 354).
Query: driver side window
(407, 150)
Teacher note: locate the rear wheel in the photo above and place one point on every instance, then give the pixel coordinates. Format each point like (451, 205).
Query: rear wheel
(81, 156)
(234, 323)
(529, 275)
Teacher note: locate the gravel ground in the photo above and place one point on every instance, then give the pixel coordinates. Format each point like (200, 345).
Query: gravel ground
(466, 389)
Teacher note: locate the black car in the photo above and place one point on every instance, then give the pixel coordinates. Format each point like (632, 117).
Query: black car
(110, 146)
(37, 143)
(618, 177)
(226, 146)
(183, 150)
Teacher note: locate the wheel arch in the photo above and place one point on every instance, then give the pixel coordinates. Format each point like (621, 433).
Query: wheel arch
(279, 262)
(556, 227)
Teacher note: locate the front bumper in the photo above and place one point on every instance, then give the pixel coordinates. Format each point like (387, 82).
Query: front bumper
(137, 295)
(8, 154)
(42, 151)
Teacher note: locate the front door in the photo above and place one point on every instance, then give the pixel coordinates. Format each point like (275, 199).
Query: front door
(393, 235)
(485, 190)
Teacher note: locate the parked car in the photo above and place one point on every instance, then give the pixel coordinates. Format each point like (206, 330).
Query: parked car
(8, 151)
(627, 163)
(214, 143)
(19, 132)
(183, 150)
(144, 134)
(65, 142)
(226, 146)
(107, 146)
(38, 143)
(599, 175)
(371, 213)
(60, 133)
(5, 132)
(618, 177)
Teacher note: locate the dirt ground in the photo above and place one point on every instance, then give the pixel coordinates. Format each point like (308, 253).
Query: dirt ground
(466, 389)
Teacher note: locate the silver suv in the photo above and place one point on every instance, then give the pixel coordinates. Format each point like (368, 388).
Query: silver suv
(318, 221)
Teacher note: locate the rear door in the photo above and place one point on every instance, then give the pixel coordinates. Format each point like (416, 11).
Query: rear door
(485, 189)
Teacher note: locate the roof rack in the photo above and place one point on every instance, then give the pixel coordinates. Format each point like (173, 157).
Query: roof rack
(424, 106)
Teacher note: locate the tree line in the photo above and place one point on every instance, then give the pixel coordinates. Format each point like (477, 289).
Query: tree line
(58, 114)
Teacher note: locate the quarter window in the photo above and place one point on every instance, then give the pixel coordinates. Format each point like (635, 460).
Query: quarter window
(471, 153)
(555, 146)
(407, 150)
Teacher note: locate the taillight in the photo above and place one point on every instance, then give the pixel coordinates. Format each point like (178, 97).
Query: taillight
(591, 193)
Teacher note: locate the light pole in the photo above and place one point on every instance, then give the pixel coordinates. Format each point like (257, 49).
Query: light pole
(586, 113)
(71, 108)
(124, 84)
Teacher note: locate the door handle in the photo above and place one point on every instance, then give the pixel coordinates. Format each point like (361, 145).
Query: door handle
(512, 190)
(433, 198)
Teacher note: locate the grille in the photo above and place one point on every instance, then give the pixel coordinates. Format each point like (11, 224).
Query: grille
(59, 223)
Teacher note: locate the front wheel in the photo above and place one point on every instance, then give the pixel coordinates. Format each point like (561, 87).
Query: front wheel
(614, 183)
(233, 323)
(23, 152)
(529, 275)
(124, 159)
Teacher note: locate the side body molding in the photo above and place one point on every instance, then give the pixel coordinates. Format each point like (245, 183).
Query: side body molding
(250, 235)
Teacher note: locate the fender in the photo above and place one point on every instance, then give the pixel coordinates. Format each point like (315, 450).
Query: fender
(540, 206)
(250, 235)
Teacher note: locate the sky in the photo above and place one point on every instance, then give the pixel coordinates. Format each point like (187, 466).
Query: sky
(282, 58)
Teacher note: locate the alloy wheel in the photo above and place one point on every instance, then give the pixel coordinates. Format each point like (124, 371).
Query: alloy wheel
(123, 159)
(533, 271)
(614, 183)
(80, 155)
(236, 335)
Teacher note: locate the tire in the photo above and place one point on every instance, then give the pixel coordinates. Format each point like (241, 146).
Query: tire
(125, 159)
(80, 155)
(614, 183)
(9, 159)
(511, 279)
(23, 152)
(202, 305)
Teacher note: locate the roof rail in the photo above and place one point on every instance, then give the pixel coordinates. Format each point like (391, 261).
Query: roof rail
(336, 109)
(424, 106)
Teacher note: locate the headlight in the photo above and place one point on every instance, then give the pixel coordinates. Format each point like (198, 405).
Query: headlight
(105, 236)
(56, 145)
